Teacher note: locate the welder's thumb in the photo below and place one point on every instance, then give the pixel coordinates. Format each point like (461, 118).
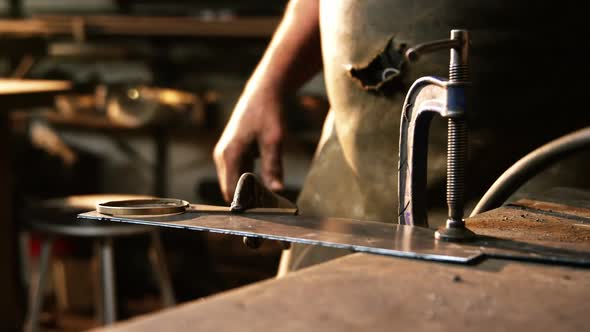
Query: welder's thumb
(252, 193)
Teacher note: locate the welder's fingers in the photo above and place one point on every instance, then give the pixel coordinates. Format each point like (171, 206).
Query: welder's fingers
(271, 162)
(229, 162)
(229, 182)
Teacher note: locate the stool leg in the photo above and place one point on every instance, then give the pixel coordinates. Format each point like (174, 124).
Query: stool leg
(37, 284)
(25, 262)
(161, 271)
(107, 282)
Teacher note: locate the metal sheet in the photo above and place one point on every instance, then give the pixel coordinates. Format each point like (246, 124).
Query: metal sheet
(362, 236)
(355, 235)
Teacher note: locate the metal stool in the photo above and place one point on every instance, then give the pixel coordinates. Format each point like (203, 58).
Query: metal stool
(56, 218)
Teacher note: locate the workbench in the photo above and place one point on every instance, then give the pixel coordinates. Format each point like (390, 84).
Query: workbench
(383, 293)
(365, 292)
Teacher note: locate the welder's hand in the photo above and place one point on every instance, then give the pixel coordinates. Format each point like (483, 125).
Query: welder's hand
(254, 128)
(252, 193)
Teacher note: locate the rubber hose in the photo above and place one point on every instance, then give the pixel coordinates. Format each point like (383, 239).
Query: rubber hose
(531, 165)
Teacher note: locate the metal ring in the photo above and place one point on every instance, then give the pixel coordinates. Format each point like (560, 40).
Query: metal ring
(156, 206)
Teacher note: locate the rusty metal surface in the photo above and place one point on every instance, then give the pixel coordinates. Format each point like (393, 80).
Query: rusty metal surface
(371, 293)
(554, 209)
(565, 202)
(514, 223)
(508, 231)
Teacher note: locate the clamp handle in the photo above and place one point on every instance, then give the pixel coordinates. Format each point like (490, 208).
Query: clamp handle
(459, 46)
(414, 53)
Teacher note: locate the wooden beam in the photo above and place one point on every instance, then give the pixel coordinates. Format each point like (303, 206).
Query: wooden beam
(141, 26)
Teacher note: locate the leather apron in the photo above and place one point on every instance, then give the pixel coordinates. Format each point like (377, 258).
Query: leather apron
(515, 95)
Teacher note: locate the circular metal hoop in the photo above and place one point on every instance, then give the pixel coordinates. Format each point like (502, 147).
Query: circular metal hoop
(157, 206)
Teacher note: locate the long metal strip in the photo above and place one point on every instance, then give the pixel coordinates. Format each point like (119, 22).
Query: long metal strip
(351, 234)
(357, 235)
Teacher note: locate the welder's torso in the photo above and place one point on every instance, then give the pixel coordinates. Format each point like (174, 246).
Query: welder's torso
(354, 173)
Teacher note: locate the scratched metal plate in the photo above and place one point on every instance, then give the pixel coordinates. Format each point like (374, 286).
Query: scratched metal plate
(360, 236)
(355, 235)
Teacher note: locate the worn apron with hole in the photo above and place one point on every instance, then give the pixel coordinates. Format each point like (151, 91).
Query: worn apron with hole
(518, 101)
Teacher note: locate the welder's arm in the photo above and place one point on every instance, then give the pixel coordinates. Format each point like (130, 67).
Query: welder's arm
(292, 58)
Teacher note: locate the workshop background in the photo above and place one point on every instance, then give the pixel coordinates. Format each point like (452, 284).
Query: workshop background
(153, 83)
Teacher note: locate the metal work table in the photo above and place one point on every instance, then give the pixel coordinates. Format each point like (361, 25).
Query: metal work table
(376, 293)
(15, 94)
